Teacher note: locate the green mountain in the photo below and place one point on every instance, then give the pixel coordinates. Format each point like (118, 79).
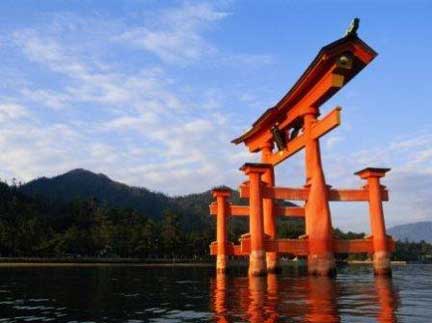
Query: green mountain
(83, 213)
(83, 184)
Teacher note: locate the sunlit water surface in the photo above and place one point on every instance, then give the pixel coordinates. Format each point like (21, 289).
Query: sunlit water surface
(140, 294)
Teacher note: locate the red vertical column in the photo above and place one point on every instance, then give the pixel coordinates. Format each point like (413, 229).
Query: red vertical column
(221, 196)
(317, 211)
(257, 257)
(269, 210)
(381, 257)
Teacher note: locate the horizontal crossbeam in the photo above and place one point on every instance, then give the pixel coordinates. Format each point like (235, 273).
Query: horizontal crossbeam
(300, 247)
(292, 211)
(231, 249)
(243, 210)
(301, 194)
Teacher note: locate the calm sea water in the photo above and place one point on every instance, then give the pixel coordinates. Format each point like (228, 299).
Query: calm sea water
(139, 294)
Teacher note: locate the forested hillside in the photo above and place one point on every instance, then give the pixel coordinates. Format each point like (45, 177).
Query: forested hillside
(32, 227)
(83, 184)
(87, 214)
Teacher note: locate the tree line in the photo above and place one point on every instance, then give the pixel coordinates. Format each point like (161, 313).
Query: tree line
(85, 227)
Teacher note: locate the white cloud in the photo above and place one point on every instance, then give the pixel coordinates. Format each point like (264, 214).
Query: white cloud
(48, 98)
(137, 125)
(176, 35)
(331, 141)
(12, 111)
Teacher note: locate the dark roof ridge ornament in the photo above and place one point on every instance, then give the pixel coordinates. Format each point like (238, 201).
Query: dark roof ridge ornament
(353, 27)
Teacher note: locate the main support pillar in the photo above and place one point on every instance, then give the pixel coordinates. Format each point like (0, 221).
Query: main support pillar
(269, 210)
(221, 195)
(318, 220)
(257, 257)
(381, 256)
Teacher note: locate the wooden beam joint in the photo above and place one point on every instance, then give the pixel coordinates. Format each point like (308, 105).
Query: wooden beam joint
(319, 129)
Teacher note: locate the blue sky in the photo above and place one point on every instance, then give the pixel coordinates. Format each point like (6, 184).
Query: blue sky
(151, 92)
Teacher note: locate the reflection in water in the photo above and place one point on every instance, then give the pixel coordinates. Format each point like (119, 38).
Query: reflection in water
(257, 292)
(301, 299)
(272, 295)
(321, 297)
(115, 294)
(387, 299)
(220, 305)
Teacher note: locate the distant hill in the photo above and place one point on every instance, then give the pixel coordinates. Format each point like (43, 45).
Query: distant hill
(84, 184)
(83, 213)
(414, 232)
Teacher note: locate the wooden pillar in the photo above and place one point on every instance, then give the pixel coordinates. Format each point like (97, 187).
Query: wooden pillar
(257, 258)
(221, 195)
(270, 229)
(317, 211)
(381, 257)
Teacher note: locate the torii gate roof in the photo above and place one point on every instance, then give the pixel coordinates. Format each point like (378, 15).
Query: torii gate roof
(326, 59)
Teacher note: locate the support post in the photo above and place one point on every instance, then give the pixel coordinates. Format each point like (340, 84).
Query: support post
(317, 211)
(381, 256)
(257, 258)
(221, 195)
(270, 230)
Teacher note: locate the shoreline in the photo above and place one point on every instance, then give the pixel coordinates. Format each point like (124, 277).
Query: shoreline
(142, 262)
(101, 264)
(104, 261)
(369, 262)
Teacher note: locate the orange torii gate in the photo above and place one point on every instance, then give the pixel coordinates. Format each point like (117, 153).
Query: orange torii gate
(293, 124)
